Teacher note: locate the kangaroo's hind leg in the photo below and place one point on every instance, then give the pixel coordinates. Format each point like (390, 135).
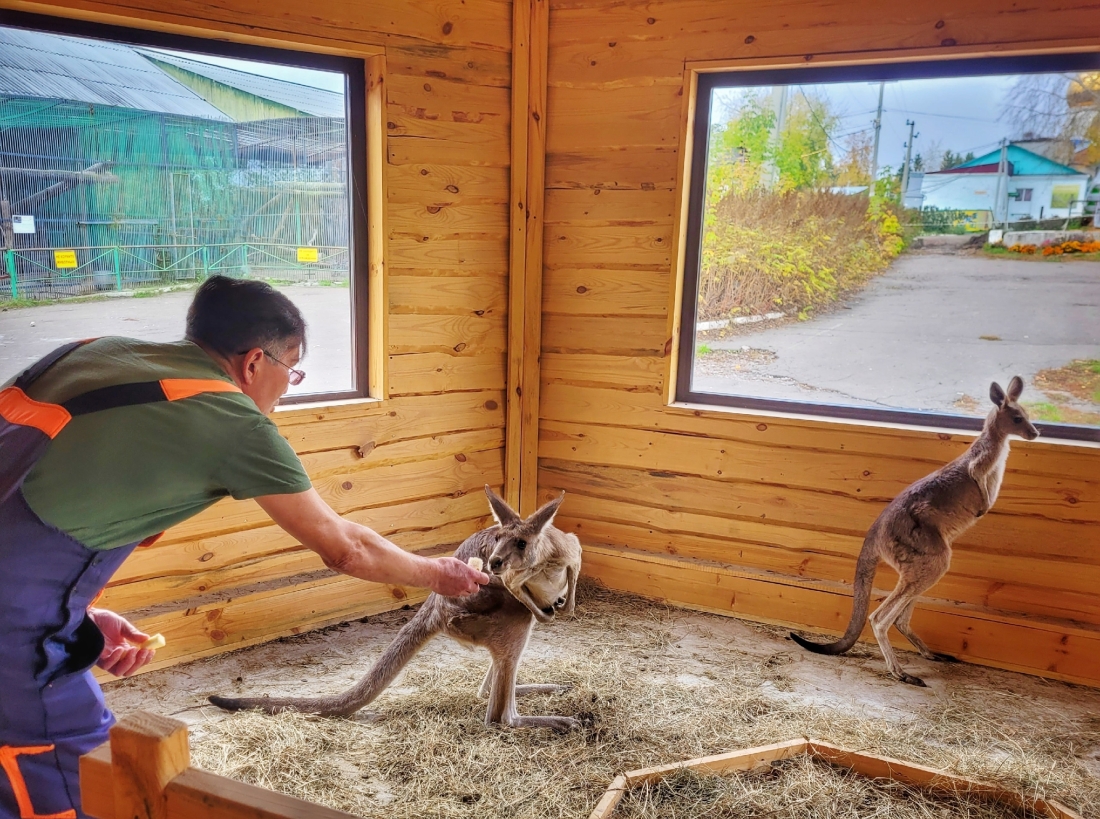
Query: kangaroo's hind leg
(502, 686)
(902, 625)
(521, 690)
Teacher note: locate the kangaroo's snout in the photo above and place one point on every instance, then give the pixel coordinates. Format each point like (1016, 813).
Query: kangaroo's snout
(496, 563)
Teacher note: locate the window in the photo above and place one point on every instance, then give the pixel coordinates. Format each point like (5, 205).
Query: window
(883, 242)
(134, 165)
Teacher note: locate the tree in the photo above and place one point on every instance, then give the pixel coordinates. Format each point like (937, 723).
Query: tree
(854, 167)
(1064, 106)
(954, 160)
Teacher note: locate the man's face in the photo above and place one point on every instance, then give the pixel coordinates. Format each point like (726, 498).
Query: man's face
(266, 377)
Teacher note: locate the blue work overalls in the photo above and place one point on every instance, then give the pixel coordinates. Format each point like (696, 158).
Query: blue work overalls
(51, 708)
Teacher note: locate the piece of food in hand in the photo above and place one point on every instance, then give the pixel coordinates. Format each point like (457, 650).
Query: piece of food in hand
(475, 563)
(154, 642)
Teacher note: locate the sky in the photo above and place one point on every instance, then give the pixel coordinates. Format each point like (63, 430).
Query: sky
(961, 114)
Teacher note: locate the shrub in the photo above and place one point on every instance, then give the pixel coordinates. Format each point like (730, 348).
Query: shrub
(794, 251)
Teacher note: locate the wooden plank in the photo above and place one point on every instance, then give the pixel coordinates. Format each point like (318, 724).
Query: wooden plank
(419, 150)
(147, 752)
(517, 247)
(214, 628)
(449, 218)
(474, 66)
(328, 26)
(604, 292)
(592, 404)
(1017, 585)
(482, 296)
(745, 760)
(609, 207)
(422, 250)
(432, 373)
(97, 786)
(882, 767)
(347, 493)
(413, 333)
(1016, 644)
(437, 184)
(646, 169)
(195, 793)
(378, 298)
(630, 373)
(533, 268)
(443, 100)
(399, 418)
(610, 799)
(607, 335)
(615, 246)
(483, 136)
(881, 478)
(624, 116)
(1072, 559)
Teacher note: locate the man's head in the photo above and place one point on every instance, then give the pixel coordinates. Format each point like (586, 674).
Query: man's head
(254, 331)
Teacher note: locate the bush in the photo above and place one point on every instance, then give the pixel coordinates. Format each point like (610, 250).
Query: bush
(793, 251)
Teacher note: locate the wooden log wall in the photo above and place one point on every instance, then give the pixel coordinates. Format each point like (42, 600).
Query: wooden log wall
(413, 465)
(759, 516)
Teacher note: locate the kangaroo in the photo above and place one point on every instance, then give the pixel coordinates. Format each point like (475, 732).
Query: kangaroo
(914, 533)
(534, 568)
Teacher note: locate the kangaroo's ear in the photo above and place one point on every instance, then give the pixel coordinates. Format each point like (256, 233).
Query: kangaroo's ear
(501, 511)
(1015, 388)
(996, 394)
(545, 513)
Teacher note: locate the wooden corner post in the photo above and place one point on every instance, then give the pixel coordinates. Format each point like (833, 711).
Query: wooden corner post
(147, 752)
(530, 45)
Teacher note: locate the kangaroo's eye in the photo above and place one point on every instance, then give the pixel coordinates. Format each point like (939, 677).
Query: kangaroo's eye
(521, 544)
(1017, 420)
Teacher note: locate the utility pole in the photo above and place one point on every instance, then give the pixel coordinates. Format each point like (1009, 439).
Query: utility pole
(1001, 194)
(779, 105)
(908, 157)
(878, 128)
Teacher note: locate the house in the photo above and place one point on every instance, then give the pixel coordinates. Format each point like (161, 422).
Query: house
(1031, 187)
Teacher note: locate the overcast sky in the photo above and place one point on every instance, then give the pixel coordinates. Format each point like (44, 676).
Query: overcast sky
(962, 115)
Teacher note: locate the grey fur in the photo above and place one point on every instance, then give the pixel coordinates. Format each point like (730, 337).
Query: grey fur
(536, 581)
(914, 533)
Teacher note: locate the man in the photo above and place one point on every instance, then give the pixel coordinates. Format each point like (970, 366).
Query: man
(104, 445)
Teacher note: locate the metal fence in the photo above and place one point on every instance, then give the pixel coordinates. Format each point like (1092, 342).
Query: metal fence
(51, 273)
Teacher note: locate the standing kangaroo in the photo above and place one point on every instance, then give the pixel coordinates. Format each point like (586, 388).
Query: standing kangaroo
(535, 568)
(915, 531)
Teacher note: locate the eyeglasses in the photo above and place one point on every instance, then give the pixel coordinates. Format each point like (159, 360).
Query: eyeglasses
(296, 376)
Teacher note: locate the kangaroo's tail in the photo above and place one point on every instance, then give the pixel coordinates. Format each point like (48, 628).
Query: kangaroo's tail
(865, 576)
(409, 640)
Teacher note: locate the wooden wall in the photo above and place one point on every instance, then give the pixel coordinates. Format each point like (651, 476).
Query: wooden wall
(411, 466)
(762, 516)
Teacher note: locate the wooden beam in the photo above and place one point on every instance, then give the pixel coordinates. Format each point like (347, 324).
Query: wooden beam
(529, 65)
(147, 752)
(377, 283)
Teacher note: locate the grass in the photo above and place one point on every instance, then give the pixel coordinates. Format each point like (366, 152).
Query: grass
(703, 349)
(999, 252)
(21, 304)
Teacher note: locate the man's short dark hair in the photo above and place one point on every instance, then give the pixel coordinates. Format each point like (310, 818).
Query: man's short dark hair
(232, 316)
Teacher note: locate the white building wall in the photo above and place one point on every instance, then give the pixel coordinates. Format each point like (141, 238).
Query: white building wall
(976, 191)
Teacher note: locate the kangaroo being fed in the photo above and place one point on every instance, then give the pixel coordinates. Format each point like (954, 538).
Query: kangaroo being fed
(534, 569)
(915, 531)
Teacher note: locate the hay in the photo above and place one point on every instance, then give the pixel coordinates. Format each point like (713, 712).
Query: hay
(645, 699)
(798, 788)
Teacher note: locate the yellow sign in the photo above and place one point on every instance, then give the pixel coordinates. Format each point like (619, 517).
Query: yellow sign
(64, 259)
(307, 254)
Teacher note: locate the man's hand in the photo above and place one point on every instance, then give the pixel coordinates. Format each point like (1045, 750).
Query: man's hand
(121, 655)
(456, 579)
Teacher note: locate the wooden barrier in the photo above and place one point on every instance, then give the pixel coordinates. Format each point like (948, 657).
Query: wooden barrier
(145, 772)
(869, 765)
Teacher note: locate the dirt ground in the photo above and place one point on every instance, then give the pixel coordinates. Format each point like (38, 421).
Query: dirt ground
(651, 684)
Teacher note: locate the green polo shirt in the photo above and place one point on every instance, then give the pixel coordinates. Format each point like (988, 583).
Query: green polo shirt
(118, 476)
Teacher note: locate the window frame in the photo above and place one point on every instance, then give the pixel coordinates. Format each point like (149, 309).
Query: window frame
(354, 70)
(694, 187)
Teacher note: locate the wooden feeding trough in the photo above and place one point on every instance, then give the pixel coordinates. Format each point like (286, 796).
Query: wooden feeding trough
(869, 765)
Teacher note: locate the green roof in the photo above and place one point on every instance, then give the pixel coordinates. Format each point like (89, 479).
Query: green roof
(1024, 163)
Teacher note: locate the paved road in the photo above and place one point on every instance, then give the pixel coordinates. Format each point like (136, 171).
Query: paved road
(914, 338)
(28, 333)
